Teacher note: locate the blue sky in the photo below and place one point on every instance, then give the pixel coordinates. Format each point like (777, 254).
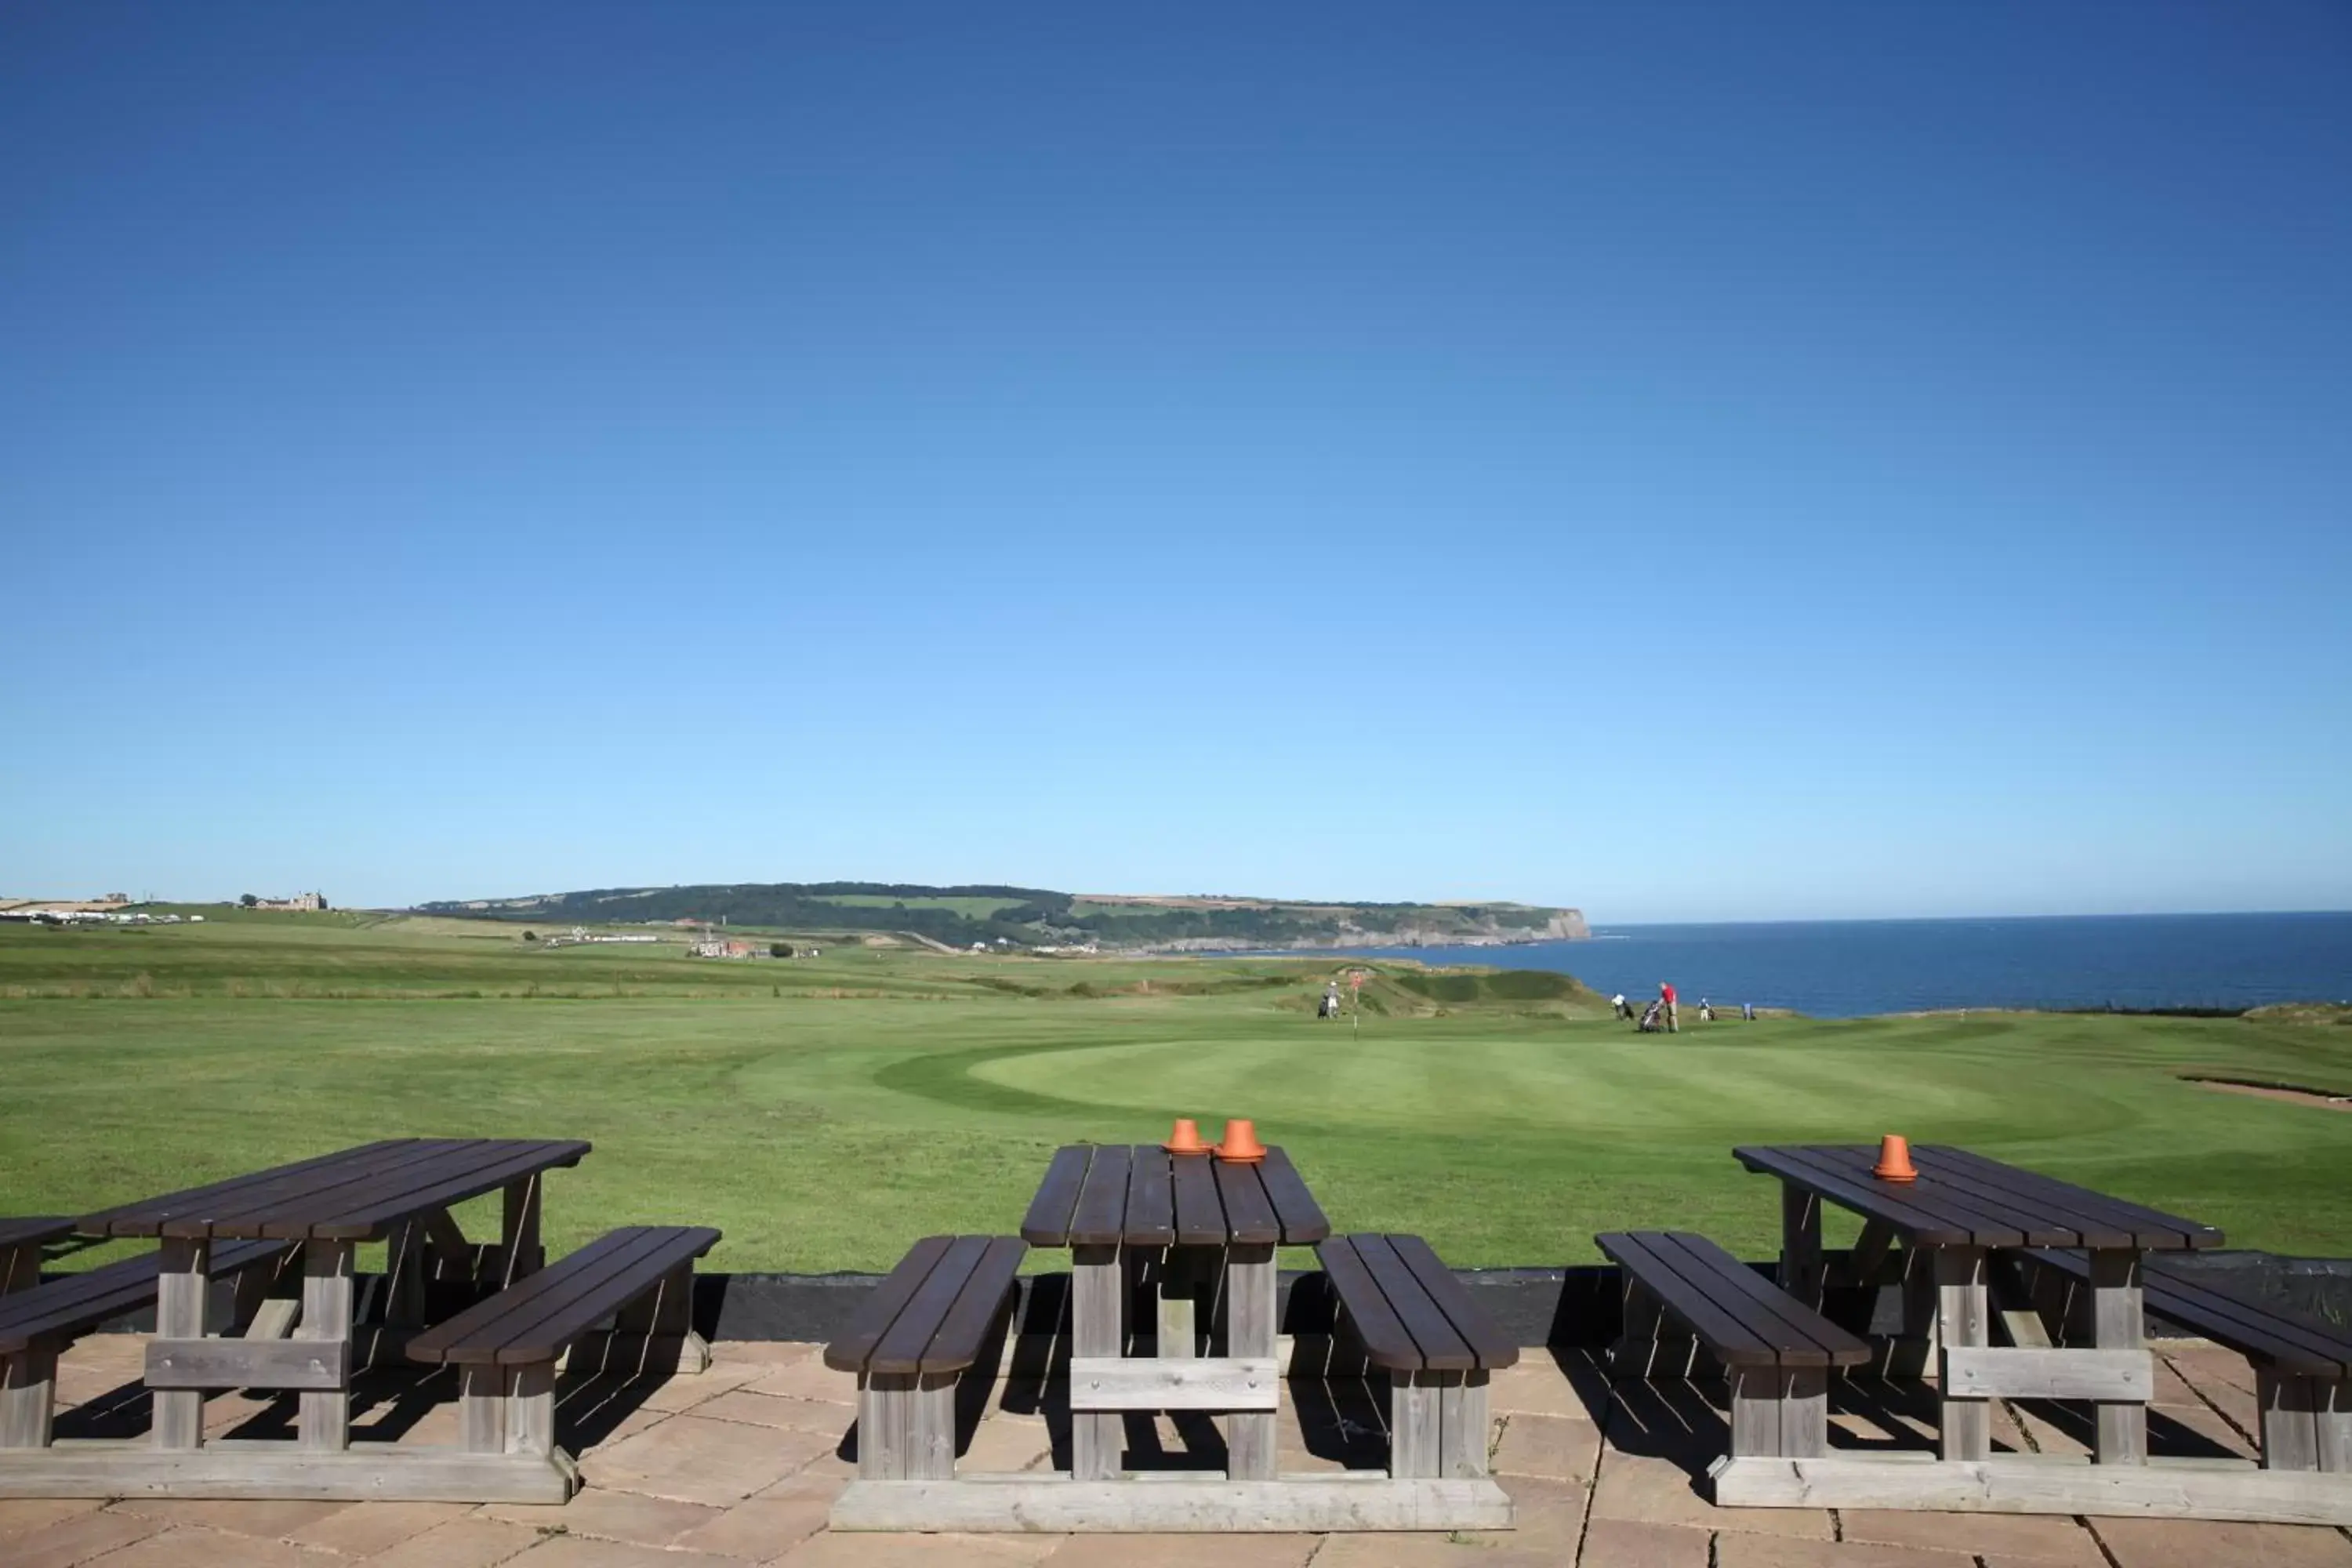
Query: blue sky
(1693, 462)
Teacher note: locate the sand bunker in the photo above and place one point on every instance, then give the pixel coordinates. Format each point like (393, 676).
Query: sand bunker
(2287, 1092)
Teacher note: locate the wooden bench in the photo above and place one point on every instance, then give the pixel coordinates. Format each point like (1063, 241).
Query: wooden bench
(912, 1344)
(1778, 1352)
(2303, 1371)
(37, 1324)
(506, 1349)
(1415, 1322)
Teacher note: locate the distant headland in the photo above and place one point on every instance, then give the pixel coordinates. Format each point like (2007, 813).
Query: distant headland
(1041, 919)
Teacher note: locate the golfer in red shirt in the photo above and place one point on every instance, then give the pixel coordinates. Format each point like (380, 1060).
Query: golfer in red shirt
(1673, 1013)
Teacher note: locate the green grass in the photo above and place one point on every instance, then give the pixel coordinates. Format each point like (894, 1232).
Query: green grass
(825, 1113)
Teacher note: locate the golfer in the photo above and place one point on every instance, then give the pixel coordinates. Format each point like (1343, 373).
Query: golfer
(1673, 1012)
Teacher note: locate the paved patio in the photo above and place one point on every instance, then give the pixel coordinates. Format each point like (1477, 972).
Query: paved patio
(738, 1466)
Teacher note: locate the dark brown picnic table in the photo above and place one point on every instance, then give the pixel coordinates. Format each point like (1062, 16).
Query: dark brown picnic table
(1962, 1208)
(1186, 1229)
(399, 1189)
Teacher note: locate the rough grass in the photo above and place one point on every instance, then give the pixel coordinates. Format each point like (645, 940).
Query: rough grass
(826, 1130)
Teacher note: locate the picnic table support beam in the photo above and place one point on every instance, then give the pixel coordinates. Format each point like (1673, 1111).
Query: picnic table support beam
(1098, 1440)
(1249, 1333)
(1913, 1350)
(2117, 1323)
(1965, 1428)
(520, 1252)
(405, 1271)
(1801, 1244)
(29, 1388)
(183, 1302)
(20, 1268)
(1178, 1329)
(1870, 1250)
(324, 1422)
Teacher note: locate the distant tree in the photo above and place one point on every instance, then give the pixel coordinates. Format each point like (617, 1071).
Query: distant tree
(530, 936)
(323, 904)
(248, 900)
(780, 950)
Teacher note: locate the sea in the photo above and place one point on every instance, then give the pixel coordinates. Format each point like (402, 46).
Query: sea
(1844, 969)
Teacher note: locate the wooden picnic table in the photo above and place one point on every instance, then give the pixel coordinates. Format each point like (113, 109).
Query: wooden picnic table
(398, 1190)
(1182, 1230)
(1962, 1207)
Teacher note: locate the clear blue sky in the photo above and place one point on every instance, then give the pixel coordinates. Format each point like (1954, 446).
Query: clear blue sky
(1689, 461)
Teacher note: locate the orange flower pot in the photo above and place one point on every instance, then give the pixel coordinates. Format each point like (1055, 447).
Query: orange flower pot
(1186, 1138)
(1240, 1145)
(1895, 1160)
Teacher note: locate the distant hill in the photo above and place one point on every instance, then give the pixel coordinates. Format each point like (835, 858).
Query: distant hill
(1036, 918)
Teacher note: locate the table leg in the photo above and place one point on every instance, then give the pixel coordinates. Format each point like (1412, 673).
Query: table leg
(1249, 1332)
(2118, 1324)
(183, 1301)
(325, 1418)
(1801, 1244)
(1965, 1428)
(1097, 1438)
(520, 1252)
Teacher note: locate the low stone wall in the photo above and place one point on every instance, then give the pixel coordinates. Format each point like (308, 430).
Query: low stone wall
(1570, 1306)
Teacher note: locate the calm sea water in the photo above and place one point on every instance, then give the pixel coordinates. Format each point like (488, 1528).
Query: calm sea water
(1841, 969)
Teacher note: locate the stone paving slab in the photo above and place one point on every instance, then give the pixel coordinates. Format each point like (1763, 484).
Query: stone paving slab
(739, 1467)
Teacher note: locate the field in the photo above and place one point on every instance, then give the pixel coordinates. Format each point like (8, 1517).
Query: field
(826, 1111)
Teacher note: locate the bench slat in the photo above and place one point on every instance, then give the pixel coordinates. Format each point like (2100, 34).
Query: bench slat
(1726, 1333)
(901, 1349)
(1151, 1202)
(1841, 1348)
(1303, 1223)
(1873, 1199)
(534, 1319)
(2246, 1327)
(234, 1211)
(1249, 1215)
(2093, 1225)
(965, 1328)
(2041, 1224)
(1441, 1348)
(81, 1301)
(1386, 1344)
(369, 1213)
(2149, 1229)
(1199, 1212)
(599, 1294)
(851, 1351)
(148, 1216)
(1488, 1343)
(1101, 1216)
(1981, 1228)
(1047, 1224)
(486, 1318)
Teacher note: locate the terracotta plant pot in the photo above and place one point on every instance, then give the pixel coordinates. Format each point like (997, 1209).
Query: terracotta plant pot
(1895, 1160)
(1186, 1138)
(1240, 1145)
